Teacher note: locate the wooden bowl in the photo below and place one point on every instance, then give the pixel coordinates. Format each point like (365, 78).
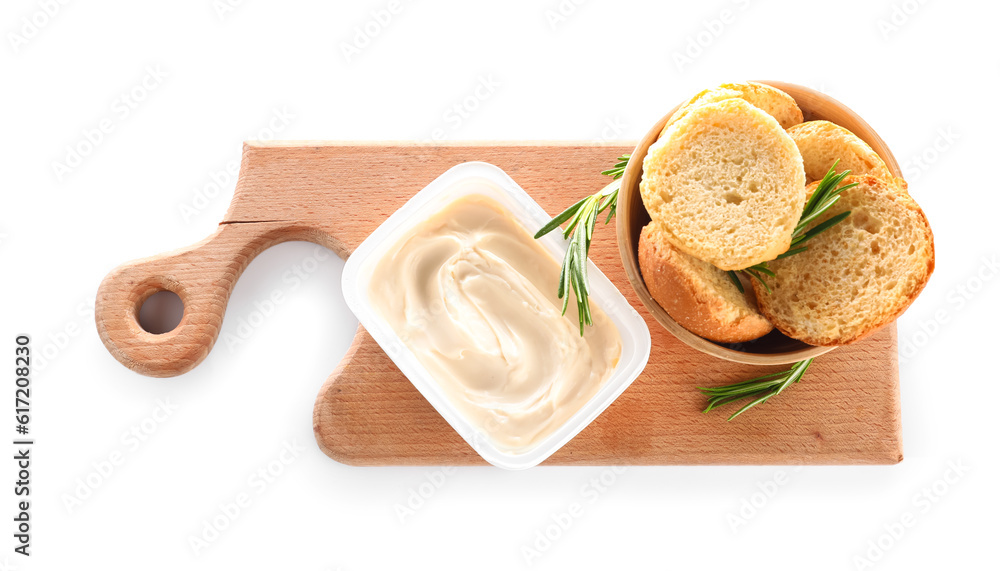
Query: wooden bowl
(774, 348)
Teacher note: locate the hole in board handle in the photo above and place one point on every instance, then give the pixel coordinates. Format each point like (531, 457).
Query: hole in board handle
(161, 312)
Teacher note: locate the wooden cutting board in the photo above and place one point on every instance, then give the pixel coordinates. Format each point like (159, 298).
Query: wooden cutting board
(845, 411)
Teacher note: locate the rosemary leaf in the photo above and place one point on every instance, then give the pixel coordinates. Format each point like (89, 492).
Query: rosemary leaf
(759, 389)
(827, 194)
(736, 280)
(825, 225)
(792, 252)
(558, 220)
(581, 220)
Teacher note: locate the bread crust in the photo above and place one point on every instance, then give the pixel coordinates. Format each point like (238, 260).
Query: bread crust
(770, 100)
(673, 282)
(872, 322)
(821, 142)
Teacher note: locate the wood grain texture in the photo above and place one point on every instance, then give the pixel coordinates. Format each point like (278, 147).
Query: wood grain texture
(845, 411)
(367, 413)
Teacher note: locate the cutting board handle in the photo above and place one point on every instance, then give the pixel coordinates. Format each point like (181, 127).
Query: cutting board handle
(202, 275)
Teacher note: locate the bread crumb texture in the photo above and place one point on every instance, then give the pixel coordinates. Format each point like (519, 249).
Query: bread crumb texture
(726, 184)
(822, 143)
(859, 275)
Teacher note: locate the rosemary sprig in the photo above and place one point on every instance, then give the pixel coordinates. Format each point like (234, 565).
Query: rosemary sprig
(758, 388)
(582, 218)
(618, 170)
(826, 195)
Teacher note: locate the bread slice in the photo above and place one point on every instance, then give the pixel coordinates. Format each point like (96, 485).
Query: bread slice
(859, 275)
(822, 143)
(699, 296)
(770, 100)
(726, 184)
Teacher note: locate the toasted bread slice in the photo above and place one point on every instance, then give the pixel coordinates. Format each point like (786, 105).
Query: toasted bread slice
(770, 100)
(698, 295)
(822, 143)
(857, 276)
(726, 184)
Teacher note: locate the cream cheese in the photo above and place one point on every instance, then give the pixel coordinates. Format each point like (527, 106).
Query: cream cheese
(473, 297)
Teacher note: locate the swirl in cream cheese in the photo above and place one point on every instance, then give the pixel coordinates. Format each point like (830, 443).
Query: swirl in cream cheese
(473, 296)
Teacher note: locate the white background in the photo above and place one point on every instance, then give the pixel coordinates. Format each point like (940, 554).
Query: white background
(927, 83)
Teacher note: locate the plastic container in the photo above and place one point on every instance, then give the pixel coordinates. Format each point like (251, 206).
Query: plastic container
(490, 181)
